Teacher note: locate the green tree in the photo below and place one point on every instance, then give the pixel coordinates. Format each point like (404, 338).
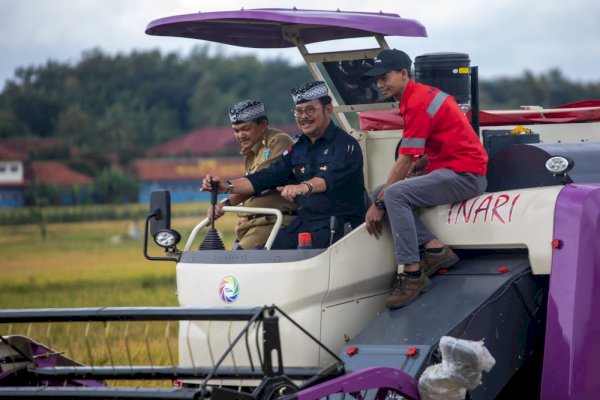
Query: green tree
(229, 80)
(43, 194)
(11, 125)
(52, 151)
(115, 107)
(38, 215)
(113, 185)
(89, 161)
(37, 96)
(547, 90)
(78, 127)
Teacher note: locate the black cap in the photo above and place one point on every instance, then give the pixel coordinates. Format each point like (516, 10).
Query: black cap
(388, 60)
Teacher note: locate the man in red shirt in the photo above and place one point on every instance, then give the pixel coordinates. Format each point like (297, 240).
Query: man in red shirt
(436, 135)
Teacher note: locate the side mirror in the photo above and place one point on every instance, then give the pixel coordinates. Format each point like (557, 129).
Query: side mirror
(158, 222)
(160, 206)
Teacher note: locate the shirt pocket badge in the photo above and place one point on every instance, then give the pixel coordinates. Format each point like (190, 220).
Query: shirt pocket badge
(298, 170)
(323, 161)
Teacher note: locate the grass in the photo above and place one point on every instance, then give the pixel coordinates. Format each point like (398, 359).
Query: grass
(87, 264)
(95, 264)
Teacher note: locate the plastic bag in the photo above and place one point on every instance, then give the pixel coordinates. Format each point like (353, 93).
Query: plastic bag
(460, 370)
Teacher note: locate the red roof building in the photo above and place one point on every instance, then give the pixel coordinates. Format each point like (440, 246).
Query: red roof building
(17, 175)
(182, 176)
(148, 170)
(9, 153)
(203, 142)
(206, 142)
(56, 173)
(12, 177)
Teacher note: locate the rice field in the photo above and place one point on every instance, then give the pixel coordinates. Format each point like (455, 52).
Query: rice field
(95, 264)
(89, 264)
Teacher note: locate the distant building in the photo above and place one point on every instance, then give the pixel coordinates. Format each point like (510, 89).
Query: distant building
(186, 160)
(12, 177)
(182, 176)
(206, 142)
(19, 175)
(72, 187)
(182, 165)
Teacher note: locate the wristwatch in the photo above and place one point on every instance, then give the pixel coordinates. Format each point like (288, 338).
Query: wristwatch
(229, 187)
(379, 204)
(310, 187)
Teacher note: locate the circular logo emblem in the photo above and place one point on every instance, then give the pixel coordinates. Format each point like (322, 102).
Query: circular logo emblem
(229, 289)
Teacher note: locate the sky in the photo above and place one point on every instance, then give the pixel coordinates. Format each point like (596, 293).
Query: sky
(502, 37)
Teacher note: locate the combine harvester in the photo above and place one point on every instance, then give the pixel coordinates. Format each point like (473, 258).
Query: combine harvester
(528, 277)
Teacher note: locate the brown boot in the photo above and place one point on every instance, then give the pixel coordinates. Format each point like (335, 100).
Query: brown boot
(433, 262)
(407, 289)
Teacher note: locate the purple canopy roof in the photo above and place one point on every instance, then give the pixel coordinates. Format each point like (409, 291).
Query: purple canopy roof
(263, 28)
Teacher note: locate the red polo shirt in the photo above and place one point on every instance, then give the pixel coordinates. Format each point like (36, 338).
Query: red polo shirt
(434, 125)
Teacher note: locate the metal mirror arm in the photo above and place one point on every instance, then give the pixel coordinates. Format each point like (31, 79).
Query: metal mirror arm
(173, 251)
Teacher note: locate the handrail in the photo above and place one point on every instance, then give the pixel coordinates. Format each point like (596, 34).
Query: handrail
(249, 210)
(104, 314)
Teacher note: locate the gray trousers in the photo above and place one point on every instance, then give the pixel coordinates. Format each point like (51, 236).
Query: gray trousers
(403, 198)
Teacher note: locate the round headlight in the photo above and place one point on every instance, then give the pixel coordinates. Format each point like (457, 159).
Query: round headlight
(558, 164)
(167, 238)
